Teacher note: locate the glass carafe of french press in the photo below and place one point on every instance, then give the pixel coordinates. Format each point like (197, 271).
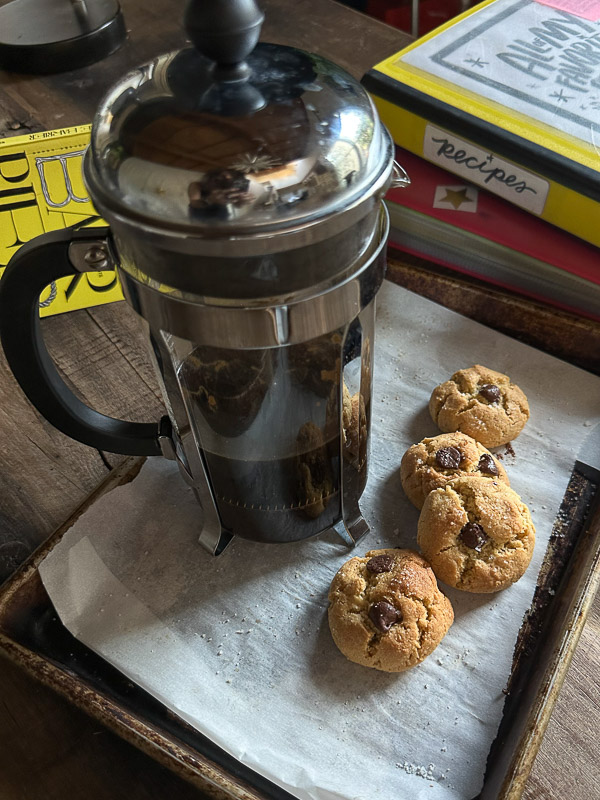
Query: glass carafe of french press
(242, 184)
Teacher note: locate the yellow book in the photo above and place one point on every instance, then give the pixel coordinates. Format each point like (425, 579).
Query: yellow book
(507, 95)
(41, 190)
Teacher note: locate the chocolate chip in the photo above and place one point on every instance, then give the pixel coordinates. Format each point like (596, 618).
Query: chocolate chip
(473, 536)
(449, 457)
(487, 465)
(381, 563)
(490, 392)
(383, 615)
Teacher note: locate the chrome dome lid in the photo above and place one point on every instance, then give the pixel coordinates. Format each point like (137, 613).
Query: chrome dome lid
(233, 140)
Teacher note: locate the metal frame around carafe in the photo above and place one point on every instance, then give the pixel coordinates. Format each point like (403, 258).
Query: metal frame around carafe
(335, 307)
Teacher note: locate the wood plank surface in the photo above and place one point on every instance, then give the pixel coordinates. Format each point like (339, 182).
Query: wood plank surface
(48, 748)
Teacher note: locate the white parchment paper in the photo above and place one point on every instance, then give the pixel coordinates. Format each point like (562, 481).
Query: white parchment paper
(239, 646)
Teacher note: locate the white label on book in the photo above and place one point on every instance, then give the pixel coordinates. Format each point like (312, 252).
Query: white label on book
(542, 62)
(507, 180)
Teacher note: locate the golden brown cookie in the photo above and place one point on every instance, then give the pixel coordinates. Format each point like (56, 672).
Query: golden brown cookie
(477, 534)
(434, 461)
(386, 611)
(481, 403)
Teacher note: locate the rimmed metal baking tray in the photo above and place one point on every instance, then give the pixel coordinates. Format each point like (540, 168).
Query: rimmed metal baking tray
(32, 636)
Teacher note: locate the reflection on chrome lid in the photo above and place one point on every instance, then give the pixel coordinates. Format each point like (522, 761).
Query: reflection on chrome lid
(296, 141)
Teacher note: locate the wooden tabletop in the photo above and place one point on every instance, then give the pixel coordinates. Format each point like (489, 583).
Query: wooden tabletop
(48, 748)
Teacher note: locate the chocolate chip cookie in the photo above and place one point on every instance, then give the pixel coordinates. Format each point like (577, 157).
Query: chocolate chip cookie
(481, 403)
(386, 610)
(434, 461)
(477, 534)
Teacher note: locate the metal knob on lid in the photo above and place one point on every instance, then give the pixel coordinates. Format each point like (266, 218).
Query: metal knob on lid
(226, 31)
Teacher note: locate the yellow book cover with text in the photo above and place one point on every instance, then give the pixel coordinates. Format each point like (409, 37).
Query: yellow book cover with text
(506, 95)
(41, 190)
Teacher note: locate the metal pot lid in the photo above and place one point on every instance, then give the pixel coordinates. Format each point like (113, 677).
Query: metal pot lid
(231, 139)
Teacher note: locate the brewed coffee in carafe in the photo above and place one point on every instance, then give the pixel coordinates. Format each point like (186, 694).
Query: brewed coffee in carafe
(267, 421)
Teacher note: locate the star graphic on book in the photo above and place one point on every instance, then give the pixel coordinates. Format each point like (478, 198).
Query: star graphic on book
(456, 197)
(476, 62)
(562, 97)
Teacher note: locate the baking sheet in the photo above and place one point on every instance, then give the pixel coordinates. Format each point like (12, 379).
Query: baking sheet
(239, 646)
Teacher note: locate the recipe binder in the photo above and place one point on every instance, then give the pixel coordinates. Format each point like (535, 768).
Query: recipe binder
(452, 222)
(507, 95)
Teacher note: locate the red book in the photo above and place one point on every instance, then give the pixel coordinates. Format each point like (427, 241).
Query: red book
(463, 227)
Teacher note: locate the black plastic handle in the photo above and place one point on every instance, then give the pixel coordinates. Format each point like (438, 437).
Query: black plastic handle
(33, 267)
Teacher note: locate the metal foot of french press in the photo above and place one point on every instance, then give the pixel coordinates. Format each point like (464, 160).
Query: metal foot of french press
(351, 531)
(214, 541)
(352, 526)
(214, 538)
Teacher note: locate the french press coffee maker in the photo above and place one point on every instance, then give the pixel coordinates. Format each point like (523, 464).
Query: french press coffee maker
(243, 187)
